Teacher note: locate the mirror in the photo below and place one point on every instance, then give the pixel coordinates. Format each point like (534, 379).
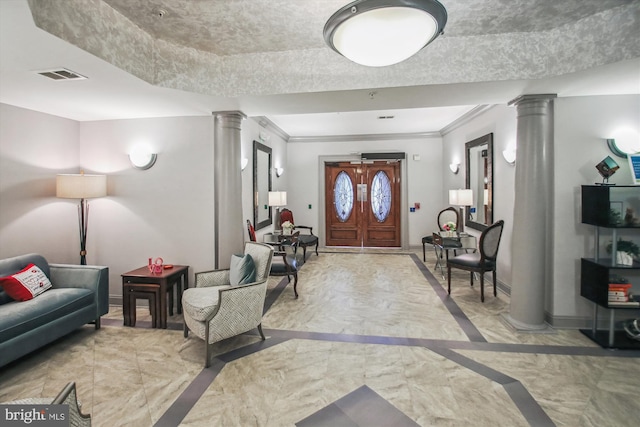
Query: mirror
(261, 185)
(479, 169)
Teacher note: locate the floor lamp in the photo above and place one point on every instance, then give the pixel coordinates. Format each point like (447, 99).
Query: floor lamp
(277, 199)
(83, 187)
(461, 198)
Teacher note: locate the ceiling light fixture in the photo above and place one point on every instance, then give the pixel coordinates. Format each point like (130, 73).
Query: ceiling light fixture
(377, 33)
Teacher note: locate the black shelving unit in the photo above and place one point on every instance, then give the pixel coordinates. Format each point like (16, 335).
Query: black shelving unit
(602, 207)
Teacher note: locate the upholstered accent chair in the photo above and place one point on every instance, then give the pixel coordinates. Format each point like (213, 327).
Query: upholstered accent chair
(215, 309)
(480, 262)
(305, 240)
(449, 214)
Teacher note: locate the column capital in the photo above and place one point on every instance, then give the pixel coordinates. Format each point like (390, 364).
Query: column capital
(526, 98)
(229, 113)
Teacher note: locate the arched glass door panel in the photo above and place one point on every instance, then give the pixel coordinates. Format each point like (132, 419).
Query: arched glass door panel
(343, 196)
(381, 196)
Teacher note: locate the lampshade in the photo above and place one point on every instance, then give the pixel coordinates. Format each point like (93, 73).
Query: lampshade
(461, 197)
(377, 33)
(81, 186)
(277, 198)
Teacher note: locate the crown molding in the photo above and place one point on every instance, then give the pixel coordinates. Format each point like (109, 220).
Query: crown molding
(465, 118)
(365, 137)
(269, 125)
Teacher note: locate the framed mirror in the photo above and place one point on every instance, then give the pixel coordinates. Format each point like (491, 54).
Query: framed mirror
(261, 185)
(479, 178)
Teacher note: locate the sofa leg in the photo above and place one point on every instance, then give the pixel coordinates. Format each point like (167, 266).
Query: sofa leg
(97, 322)
(185, 330)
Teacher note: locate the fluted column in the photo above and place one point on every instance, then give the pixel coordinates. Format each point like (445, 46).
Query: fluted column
(227, 147)
(532, 243)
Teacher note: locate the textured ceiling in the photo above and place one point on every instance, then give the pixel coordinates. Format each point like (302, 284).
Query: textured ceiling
(268, 58)
(227, 27)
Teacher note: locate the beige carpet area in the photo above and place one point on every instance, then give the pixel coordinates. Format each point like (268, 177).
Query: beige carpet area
(378, 319)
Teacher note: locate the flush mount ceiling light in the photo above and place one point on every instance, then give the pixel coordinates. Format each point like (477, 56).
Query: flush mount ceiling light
(377, 33)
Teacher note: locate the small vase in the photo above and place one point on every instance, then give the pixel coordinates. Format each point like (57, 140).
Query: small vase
(286, 231)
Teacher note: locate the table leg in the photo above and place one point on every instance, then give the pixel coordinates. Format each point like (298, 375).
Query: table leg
(125, 305)
(163, 304)
(180, 286)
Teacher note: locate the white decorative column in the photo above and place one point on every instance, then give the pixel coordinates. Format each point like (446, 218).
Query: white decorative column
(532, 243)
(227, 147)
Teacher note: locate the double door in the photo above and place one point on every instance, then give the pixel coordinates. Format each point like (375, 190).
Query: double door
(362, 203)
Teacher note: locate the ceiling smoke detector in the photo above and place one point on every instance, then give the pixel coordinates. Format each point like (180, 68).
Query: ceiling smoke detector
(62, 74)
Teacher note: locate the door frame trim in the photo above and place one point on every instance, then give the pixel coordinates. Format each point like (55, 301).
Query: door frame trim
(404, 192)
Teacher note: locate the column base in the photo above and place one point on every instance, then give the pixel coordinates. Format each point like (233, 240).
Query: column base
(513, 324)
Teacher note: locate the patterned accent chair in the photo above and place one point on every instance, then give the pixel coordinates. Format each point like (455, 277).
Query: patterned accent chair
(214, 310)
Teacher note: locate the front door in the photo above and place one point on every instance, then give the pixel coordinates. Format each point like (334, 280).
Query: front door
(362, 203)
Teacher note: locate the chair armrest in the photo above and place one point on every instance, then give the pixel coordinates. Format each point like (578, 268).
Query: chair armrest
(305, 227)
(205, 279)
(92, 277)
(240, 308)
(68, 396)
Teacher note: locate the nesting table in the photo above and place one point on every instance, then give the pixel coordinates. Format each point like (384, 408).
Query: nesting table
(137, 282)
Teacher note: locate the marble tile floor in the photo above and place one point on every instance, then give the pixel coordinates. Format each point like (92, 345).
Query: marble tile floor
(374, 324)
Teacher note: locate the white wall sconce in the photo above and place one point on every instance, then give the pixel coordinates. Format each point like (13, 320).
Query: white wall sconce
(510, 155)
(454, 167)
(279, 172)
(244, 163)
(624, 142)
(142, 158)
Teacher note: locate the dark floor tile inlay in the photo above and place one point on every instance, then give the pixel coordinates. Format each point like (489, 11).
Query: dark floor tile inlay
(362, 407)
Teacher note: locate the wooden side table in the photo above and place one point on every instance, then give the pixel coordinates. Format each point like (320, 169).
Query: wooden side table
(178, 275)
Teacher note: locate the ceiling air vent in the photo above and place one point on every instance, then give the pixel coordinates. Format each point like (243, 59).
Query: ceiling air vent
(385, 117)
(62, 74)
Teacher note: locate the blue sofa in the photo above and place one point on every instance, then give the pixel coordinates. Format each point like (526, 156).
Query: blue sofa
(79, 295)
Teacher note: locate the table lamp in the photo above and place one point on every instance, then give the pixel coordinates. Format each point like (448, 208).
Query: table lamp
(277, 199)
(83, 187)
(461, 197)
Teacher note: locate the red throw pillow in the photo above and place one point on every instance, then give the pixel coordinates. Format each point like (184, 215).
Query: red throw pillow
(25, 284)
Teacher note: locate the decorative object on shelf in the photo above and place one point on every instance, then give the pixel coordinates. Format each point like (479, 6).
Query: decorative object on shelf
(287, 228)
(607, 167)
(377, 33)
(630, 217)
(626, 250)
(83, 187)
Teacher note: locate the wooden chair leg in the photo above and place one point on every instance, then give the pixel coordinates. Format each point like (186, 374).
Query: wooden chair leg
(295, 284)
(260, 330)
(449, 279)
(471, 278)
(495, 292)
(424, 252)
(482, 287)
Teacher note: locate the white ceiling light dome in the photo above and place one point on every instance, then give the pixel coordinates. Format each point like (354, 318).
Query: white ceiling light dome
(377, 33)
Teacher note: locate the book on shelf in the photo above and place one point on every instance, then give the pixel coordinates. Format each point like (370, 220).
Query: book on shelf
(618, 293)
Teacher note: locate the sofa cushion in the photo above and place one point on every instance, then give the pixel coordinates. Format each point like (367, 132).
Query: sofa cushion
(17, 318)
(26, 284)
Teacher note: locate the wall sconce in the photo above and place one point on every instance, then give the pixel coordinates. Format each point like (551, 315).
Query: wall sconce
(510, 155)
(279, 172)
(244, 163)
(142, 158)
(626, 141)
(454, 167)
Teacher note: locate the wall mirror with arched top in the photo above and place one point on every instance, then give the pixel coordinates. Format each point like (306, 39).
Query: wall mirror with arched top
(261, 185)
(479, 178)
